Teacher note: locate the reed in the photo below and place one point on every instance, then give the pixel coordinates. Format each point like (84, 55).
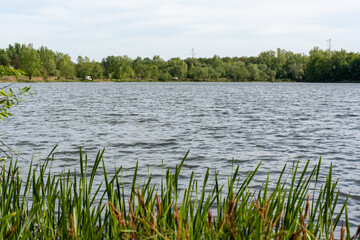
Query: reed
(68, 206)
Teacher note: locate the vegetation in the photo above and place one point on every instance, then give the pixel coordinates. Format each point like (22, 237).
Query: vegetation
(40, 205)
(317, 66)
(8, 98)
(68, 206)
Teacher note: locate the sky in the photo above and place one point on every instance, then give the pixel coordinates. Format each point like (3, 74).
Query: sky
(171, 28)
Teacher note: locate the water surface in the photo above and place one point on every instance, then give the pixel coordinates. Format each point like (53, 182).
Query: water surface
(157, 123)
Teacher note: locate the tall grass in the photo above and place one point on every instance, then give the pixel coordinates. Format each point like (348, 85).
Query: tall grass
(69, 206)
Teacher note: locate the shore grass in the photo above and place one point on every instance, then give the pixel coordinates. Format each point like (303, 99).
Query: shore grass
(40, 205)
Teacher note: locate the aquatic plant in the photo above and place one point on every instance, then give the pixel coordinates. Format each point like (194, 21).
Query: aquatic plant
(41, 205)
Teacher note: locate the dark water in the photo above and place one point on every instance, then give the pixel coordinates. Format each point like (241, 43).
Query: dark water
(158, 122)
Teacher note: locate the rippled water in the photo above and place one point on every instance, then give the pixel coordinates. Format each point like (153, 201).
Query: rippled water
(158, 122)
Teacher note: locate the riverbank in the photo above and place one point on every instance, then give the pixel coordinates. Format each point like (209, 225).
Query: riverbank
(55, 79)
(68, 205)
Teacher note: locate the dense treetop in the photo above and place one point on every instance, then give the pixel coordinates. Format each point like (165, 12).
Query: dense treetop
(317, 66)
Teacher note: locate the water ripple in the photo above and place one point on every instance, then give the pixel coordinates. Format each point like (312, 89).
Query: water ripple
(222, 124)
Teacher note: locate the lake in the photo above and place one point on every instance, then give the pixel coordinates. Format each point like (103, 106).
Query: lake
(220, 123)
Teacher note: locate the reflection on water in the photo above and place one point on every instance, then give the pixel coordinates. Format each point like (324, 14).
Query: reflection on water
(156, 123)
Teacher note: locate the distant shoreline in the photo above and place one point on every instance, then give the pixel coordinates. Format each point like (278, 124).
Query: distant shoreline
(54, 80)
(6, 79)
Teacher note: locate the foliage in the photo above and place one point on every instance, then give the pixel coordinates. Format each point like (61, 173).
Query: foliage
(318, 66)
(48, 60)
(177, 67)
(69, 206)
(332, 66)
(83, 67)
(8, 98)
(30, 61)
(9, 71)
(66, 66)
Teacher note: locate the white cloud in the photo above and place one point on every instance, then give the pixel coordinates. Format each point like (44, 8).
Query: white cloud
(172, 27)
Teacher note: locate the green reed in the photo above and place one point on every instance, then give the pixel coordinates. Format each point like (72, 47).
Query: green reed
(69, 206)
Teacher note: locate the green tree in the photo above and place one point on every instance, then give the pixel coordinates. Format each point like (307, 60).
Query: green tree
(354, 69)
(30, 61)
(295, 71)
(318, 69)
(238, 71)
(253, 71)
(217, 67)
(48, 62)
(97, 70)
(267, 58)
(83, 67)
(197, 73)
(160, 64)
(266, 73)
(295, 65)
(118, 67)
(164, 76)
(4, 59)
(142, 68)
(108, 65)
(65, 65)
(339, 62)
(124, 72)
(177, 67)
(154, 72)
(49, 68)
(14, 53)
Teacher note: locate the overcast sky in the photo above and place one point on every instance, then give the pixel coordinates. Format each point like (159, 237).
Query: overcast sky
(171, 28)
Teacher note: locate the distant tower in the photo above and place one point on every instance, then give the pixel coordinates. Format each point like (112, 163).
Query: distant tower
(193, 53)
(329, 44)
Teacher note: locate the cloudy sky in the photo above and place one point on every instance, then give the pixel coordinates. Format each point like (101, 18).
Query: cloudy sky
(171, 28)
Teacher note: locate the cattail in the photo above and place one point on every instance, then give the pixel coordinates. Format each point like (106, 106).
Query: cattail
(158, 204)
(234, 233)
(141, 200)
(267, 207)
(277, 219)
(153, 220)
(12, 230)
(132, 224)
(71, 230)
(231, 205)
(222, 223)
(257, 205)
(177, 218)
(342, 235)
(332, 233)
(307, 207)
(117, 214)
(357, 232)
(302, 220)
(131, 209)
(210, 216)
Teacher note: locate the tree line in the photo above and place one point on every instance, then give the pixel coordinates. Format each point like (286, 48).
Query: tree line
(317, 66)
